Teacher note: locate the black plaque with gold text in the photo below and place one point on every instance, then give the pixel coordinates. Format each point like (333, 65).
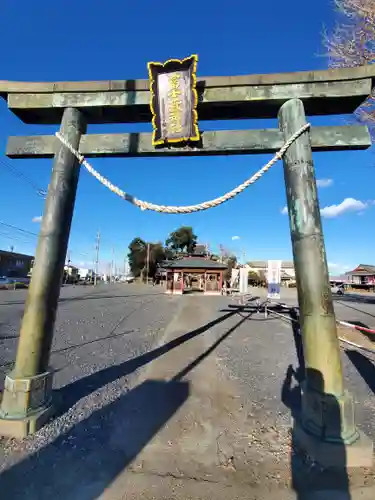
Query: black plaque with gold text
(174, 101)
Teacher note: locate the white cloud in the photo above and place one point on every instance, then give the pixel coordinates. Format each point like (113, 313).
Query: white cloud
(348, 205)
(235, 238)
(333, 265)
(337, 269)
(324, 183)
(37, 219)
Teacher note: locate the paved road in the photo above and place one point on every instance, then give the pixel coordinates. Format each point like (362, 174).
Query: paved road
(168, 388)
(98, 332)
(94, 328)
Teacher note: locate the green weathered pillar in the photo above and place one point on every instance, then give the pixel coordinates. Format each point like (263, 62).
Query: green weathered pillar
(327, 409)
(26, 400)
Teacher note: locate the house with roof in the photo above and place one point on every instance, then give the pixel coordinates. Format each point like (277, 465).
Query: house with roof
(288, 273)
(13, 264)
(200, 251)
(194, 274)
(363, 276)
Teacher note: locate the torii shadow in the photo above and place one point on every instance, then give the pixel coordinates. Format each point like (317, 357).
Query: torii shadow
(85, 460)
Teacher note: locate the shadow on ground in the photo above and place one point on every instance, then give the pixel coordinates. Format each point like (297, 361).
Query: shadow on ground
(347, 297)
(300, 391)
(78, 389)
(83, 462)
(308, 476)
(90, 296)
(345, 304)
(364, 366)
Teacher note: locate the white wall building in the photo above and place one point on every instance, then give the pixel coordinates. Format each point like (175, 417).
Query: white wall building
(287, 268)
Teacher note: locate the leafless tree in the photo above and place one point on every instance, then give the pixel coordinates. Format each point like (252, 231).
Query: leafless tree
(351, 43)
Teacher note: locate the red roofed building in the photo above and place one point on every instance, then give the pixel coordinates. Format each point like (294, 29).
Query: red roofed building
(363, 276)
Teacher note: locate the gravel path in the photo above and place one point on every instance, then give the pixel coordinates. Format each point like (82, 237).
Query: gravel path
(103, 339)
(259, 361)
(100, 337)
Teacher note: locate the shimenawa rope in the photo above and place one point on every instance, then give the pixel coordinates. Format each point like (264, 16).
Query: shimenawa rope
(145, 205)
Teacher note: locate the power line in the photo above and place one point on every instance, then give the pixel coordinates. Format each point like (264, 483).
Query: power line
(18, 229)
(4, 235)
(20, 175)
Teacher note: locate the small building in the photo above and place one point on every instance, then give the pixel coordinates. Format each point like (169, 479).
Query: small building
(200, 251)
(288, 274)
(71, 274)
(338, 280)
(194, 274)
(15, 265)
(362, 277)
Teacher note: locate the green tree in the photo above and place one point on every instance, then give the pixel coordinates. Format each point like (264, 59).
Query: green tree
(156, 255)
(231, 262)
(183, 239)
(253, 277)
(262, 278)
(139, 261)
(137, 256)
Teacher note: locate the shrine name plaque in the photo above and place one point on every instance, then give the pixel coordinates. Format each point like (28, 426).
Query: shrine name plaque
(174, 101)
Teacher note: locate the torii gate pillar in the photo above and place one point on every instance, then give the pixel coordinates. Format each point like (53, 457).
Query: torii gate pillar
(26, 403)
(327, 408)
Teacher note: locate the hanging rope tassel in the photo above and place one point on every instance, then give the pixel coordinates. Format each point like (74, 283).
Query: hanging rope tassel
(145, 205)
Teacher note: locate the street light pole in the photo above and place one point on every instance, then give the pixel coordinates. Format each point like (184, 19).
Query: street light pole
(112, 264)
(97, 258)
(147, 262)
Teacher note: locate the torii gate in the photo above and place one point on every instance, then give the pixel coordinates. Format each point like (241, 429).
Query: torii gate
(26, 403)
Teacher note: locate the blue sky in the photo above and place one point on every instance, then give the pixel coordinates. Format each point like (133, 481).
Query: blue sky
(92, 40)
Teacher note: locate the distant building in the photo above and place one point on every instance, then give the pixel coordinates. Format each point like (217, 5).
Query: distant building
(288, 273)
(342, 279)
(15, 265)
(363, 276)
(200, 251)
(194, 274)
(71, 274)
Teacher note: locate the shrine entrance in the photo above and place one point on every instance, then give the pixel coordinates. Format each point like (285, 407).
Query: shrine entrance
(200, 275)
(173, 99)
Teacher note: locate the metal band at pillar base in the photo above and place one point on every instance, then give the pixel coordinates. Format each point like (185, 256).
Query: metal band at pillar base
(329, 417)
(26, 404)
(326, 431)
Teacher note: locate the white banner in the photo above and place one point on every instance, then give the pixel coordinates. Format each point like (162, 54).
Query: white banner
(244, 276)
(274, 278)
(234, 277)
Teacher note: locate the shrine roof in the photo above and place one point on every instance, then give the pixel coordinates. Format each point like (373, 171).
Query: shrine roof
(195, 263)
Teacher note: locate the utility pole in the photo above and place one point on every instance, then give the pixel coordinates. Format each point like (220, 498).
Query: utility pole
(327, 408)
(27, 398)
(97, 257)
(112, 264)
(147, 262)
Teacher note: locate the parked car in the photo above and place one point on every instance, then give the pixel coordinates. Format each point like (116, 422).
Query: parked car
(338, 289)
(127, 279)
(7, 283)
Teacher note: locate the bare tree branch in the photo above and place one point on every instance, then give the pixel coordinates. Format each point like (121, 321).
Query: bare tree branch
(352, 43)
